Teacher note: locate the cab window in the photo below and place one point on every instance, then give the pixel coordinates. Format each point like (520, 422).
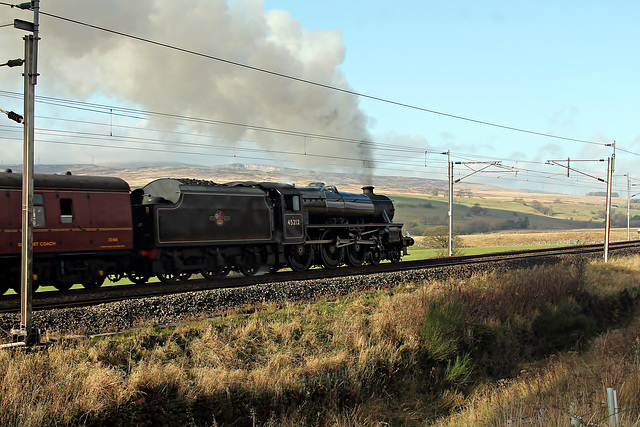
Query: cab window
(292, 203)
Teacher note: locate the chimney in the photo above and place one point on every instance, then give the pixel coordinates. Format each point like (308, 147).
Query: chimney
(368, 190)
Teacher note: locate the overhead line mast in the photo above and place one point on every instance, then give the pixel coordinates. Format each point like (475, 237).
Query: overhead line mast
(608, 180)
(26, 333)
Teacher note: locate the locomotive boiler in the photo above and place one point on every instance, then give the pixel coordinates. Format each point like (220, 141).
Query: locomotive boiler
(325, 203)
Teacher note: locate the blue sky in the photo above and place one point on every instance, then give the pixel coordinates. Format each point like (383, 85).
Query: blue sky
(567, 68)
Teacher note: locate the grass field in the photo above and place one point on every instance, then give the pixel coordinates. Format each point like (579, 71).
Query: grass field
(418, 252)
(480, 215)
(494, 348)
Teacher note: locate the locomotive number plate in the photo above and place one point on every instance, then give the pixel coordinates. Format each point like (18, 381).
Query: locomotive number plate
(293, 222)
(293, 226)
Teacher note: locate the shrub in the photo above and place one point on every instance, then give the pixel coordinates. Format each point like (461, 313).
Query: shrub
(476, 210)
(544, 210)
(459, 372)
(442, 328)
(438, 238)
(562, 327)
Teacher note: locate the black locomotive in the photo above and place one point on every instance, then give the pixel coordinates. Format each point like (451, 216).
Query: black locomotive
(179, 227)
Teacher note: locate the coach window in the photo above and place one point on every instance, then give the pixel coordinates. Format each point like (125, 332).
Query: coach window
(66, 211)
(38, 210)
(292, 203)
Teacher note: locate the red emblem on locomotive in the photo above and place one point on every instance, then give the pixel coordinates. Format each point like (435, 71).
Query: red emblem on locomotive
(219, 218)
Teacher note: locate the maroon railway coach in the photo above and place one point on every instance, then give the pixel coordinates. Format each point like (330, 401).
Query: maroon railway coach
(82, 229)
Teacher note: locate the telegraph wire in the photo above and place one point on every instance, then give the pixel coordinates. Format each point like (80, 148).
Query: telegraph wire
(293, 133)
(400, 160)
(627, 151)
(188, 51)
(310, 82)
(138, 114)
(415, 168)
(230, 155)
(154, 148)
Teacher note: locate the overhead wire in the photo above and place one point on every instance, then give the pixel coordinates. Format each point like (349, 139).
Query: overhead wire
(348, 91)
(318, 84)
(627, 151)
(403, 163)
(154, 142)
(130, 113)
(139, 114)
(297, 133)
(417, 165)
(237, 154)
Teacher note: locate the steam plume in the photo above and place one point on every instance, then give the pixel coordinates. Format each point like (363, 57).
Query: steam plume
(78, 62)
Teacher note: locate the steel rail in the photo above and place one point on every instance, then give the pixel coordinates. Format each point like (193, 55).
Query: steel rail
(84, 297)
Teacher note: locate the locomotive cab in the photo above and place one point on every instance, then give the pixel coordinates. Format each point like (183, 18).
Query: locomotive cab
(293, 216)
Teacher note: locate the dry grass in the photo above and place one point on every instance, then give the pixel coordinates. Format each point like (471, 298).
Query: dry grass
(551, 391)
(357, 361)
(543, 237)
(614, 277)
(37, 388)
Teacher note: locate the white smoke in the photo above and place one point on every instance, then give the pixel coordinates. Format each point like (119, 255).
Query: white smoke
(78, 62)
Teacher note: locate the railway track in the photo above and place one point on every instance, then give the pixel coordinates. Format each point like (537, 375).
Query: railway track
(82, 297)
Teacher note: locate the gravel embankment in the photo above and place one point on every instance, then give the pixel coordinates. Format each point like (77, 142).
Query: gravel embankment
(122, 315)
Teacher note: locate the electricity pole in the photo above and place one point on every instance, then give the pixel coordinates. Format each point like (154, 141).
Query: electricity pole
(450, 174)
(26, 333)
(452, 181)
(629, 196)
(607, 226)
(609, 182)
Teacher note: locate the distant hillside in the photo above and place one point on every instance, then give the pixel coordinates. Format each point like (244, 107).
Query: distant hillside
(242, 172)
(420, 203)
(139, 176)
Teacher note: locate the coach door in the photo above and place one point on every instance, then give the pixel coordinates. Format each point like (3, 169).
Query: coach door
(293, 220)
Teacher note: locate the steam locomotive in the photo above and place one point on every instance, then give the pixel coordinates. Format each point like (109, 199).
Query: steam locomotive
(88, 228)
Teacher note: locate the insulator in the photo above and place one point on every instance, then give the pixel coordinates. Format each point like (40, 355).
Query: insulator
(15, 62)
(15, 116)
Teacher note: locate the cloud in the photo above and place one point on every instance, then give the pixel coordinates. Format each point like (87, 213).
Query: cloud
(563, 119)
(78, 62)
(551, 150)
(518, 155)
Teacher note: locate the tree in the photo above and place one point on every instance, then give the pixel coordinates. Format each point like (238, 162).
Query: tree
(438, 238)
(544, 210)
(476, 210)
(465, 193)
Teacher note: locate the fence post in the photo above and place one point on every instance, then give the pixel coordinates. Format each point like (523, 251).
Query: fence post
(612, 401)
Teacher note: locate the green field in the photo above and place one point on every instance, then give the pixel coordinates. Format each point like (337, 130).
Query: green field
(480, 215)
(418, 253)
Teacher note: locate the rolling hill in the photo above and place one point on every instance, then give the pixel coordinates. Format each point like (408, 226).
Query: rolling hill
(420, 203)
